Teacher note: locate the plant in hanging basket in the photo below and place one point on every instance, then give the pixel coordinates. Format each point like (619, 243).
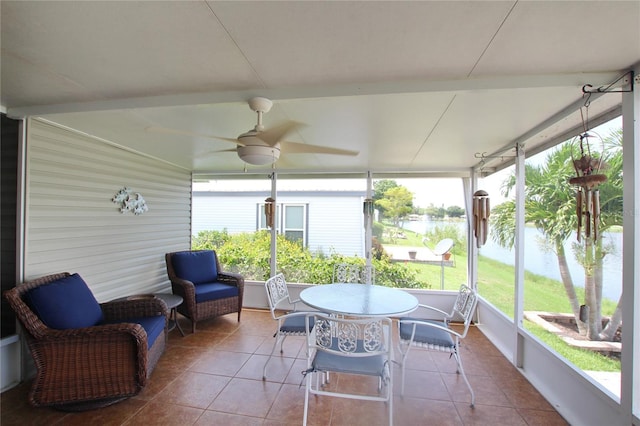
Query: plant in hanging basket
(588, 179)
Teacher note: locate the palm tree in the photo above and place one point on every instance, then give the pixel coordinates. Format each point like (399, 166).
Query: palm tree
(551, 207)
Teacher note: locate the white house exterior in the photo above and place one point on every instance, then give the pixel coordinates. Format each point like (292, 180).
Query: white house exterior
(326, 221)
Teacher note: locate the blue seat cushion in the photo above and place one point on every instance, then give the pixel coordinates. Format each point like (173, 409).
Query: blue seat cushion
(65, 303)
(154, 326)
(296, 325)
(214, 291)
(196, 266)
(372, 365)
(426, 334)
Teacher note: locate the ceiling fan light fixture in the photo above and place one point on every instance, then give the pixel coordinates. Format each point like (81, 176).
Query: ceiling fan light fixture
(259, 155)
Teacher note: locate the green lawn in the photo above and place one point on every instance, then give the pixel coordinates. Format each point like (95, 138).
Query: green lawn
(496, 284)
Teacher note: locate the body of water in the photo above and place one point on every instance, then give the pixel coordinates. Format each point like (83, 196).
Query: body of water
(545, 263)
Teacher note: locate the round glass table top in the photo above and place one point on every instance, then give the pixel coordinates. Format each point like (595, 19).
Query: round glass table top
(359, 299)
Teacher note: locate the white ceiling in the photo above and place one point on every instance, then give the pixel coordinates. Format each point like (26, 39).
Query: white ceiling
(413, 86)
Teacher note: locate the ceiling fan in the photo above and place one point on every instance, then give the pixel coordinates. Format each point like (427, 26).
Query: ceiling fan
(260, 146)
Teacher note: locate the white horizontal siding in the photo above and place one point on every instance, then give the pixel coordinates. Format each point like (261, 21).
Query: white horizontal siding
(72, 224)
(216, 213)
(335, 221)
(337, 224)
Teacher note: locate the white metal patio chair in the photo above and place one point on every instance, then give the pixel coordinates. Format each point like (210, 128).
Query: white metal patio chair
(289, 324)
(358, 274)
(357, 346)
(437, 335)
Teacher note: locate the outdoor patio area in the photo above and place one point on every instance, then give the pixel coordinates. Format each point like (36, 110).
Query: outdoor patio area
(215, 377)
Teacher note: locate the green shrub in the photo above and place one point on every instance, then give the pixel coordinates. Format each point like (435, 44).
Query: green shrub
(210, 240)
(249, 254)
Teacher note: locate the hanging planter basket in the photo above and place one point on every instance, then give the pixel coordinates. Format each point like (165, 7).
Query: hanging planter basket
(588, 180)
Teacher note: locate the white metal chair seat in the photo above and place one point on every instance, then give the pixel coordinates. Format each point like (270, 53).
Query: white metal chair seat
(436, 338)
(375, 365)
(358, 346)
(293, 324)
(437, 335)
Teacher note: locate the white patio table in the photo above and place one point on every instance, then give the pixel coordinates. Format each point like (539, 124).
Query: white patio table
(364, 300)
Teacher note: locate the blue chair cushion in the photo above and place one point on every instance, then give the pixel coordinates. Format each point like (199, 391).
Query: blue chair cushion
(65, 303)
(214, 291)
(296, 325)
(152, 325)
(426, 334)
(330, 361)
(196, 266)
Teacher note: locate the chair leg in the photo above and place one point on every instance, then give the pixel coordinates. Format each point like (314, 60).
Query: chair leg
(402, 365)
(390, 390)
(306, 397)
(193, 326)
(284, 336)
(275, 344)
(464, 376)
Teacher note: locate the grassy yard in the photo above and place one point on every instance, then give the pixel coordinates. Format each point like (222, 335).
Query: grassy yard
(496, 284)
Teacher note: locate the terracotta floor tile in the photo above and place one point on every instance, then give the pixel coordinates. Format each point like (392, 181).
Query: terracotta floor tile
(113, 415)
(193, 389)
(425, 412)
(295, 376)
(487, 392)
(348, 412)
(277, 369)
(288, 407)
(29, 416)
(209, 418)
(157, 382)
(165, 415)
(202, 339)
(542, 417)
(215, 377)
(247, 397)
(180, 357)
(489, 415)
(422, 384)
(291, 348)
(239, 342)
(220, 362)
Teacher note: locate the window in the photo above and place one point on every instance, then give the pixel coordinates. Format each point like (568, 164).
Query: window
(290, 220)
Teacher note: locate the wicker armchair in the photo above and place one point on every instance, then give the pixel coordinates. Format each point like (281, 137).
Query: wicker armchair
(91, 366)
(206, 290)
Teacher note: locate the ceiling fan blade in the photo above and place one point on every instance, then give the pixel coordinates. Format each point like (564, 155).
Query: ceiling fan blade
(187, 133)
(272, 136)
(221, 150)
(301, 148)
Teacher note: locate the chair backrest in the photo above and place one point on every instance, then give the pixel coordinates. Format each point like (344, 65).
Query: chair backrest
(197, 266)
(465, 306)
(350, 273)
(353, 337)
(30, 301)
(277, 292)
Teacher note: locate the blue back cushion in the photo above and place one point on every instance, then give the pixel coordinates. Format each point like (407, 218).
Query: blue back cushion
(65, 303)
(195, 266)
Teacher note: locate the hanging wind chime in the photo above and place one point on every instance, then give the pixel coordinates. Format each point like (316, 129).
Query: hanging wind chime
(481, 213)
(587, 179)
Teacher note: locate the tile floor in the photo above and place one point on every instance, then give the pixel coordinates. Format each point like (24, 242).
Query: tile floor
(215, 377)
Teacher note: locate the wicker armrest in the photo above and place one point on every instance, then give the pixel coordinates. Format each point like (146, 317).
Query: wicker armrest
(231, 278)
(184, 288)
(143, 307)
(135, 332)
(89, 363)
